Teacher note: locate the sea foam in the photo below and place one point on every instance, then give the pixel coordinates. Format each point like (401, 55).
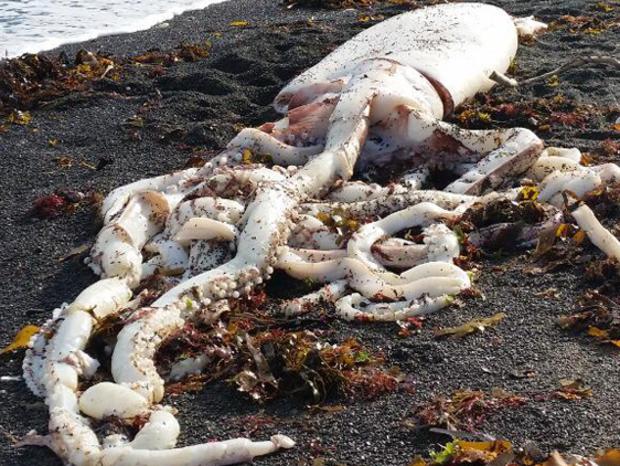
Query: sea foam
(30, 26)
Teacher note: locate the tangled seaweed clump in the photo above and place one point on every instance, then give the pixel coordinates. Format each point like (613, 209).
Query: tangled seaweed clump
(599, 317)
(300, 363)
(601, 18)
(504, 211)
(32, 80)
(504, 224)
(502, 452)
(542, 114)
(266, 361)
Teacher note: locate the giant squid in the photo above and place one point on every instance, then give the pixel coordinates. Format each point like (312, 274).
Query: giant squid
(221, 230)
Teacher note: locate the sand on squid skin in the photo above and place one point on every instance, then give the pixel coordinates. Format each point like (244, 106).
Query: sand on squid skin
(206, 101)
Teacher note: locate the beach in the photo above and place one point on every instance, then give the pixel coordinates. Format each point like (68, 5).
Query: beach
(155, 120)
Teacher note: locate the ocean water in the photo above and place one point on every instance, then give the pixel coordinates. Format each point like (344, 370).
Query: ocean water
(37, 25)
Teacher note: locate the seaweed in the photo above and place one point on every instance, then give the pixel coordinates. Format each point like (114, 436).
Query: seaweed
(64, 201)
(468, 410)
(302, 364)
(340, 222)
(465, 409)
(266, 361)
(571, 389)
(21, 339)
(501, 452)
(541, 114)
(33, 80)
(527, 210)
(588, 24)
(599, 317)
(184, 52)
(329, 4)
(473, 326)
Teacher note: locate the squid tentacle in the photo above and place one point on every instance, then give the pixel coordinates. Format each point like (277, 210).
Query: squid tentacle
(264, 228)
(329, 293)
(423, 214)
(356, 307)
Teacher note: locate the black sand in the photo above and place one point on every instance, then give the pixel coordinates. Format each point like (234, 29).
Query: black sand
(200, 105)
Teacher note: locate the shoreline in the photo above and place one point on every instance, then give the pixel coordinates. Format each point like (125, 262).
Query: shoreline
(191, 109)
(141, 24)
(193, 26)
